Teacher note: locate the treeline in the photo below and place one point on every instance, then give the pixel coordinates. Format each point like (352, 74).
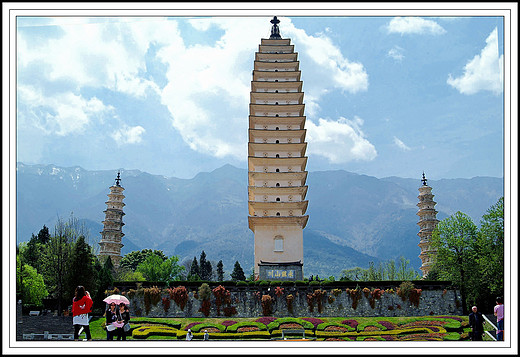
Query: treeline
(154, 265)
(472, 257)
(54, 264)
(389, 270)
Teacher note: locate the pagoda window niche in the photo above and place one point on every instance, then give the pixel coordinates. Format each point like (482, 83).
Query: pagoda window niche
(278, 244)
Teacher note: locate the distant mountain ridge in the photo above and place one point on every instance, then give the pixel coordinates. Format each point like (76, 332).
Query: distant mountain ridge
(353, 219)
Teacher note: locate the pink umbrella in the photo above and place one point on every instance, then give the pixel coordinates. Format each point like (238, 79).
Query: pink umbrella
(117, 299)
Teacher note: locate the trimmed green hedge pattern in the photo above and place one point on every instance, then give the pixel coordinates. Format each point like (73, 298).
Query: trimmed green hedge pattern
(412, 329)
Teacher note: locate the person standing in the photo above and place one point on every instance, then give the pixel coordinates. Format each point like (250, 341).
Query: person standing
(124, 318)
(499, 313)
(81, 306)
(111, 321)
(476, 322)
(189, 335)
(206, 335)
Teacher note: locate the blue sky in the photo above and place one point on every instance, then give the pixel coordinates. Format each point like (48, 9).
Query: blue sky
(385, 95)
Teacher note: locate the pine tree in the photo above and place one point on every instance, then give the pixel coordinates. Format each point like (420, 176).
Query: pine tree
(82, 267)
(43, 235)
(238, 273)
(220, 271)
(194, 270)
(206, 270)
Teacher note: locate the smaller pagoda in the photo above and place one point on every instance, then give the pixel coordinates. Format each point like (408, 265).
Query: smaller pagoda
(427, 223)
(111, 236)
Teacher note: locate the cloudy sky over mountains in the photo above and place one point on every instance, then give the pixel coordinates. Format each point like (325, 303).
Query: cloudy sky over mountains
(385, 95)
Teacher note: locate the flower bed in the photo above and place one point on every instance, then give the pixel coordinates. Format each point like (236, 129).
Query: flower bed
(409, 329)
(266, 320)
(208, 326)
(143, 332)
(257, 325)
(247, 329)
(303, 324)
(333, 327)
(371, 327)
(313, 321)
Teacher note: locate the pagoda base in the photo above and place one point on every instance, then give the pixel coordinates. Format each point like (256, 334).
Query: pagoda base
(283, 271)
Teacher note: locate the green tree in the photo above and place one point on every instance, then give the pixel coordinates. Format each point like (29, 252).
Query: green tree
(194, 274)
(391, 270)
(151, 268)
(454, 239)
(405, 272)
(83, 266)
(171, 269)
(129, 275)
(220, 271)
(105, 280)
(43, 235)
(238, 273)
(31, 252)
(56, 264)
(375, 274)
(31, 284)
(489, 254)
(156, 270)
(206, 270)
(354, 274)
(131, 260)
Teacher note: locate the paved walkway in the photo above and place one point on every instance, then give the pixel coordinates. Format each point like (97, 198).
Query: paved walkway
(40, 324)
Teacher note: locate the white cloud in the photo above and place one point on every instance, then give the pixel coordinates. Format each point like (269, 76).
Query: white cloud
(208, 86)
(483, 72)
(334, 68)
(396, 53)
(414, 25)
(60, 114)
(210, 107)
(128, 134)
(400, 144)
(339, 141)
(107, 53)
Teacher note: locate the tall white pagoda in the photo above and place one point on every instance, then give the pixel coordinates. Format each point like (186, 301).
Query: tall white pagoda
(427, 223)
(277, 161)
(112, 234)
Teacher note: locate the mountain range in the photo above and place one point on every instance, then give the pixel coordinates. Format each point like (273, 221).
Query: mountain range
(353, 219)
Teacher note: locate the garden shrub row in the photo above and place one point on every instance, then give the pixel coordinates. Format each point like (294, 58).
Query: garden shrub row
(418, 328)
(143, 332)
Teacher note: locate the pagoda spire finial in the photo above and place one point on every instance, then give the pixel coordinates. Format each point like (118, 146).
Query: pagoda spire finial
(118, 179)
(275, 30)
(424, 180)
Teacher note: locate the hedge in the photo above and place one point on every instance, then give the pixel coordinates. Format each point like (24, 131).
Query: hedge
(276, 323)
(323, 326)
(142, 332)
(235, 327)
(201, 326)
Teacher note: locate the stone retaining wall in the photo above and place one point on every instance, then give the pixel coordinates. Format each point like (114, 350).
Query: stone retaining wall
(246, 301)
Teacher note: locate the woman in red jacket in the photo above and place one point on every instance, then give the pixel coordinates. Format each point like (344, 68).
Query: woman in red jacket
(81, 306)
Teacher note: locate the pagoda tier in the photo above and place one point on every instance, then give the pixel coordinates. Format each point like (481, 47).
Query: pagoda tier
(276, 158)
(280, 123)
(111, 236)
(427, 223)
